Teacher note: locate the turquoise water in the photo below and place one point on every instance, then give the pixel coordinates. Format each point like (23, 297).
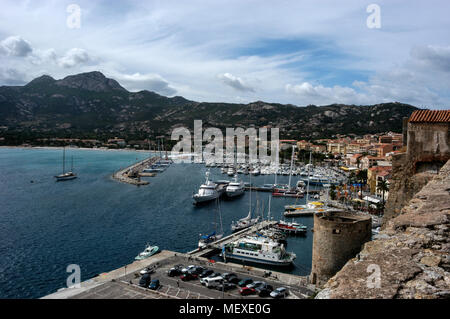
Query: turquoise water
(101, 224)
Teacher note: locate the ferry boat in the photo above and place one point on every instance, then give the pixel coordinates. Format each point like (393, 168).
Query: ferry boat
(235, 188)
(207, 192)
(258, 250)
(148, 251)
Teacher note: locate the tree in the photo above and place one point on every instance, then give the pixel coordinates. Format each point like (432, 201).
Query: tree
(383, 187)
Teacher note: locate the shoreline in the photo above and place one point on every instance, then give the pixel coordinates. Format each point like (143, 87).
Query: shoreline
(78, 148)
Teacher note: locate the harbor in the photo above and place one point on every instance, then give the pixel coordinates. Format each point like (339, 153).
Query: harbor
(124, 282)
(113, 222)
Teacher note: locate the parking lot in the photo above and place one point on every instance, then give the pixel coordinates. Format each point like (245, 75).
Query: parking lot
(174, 287)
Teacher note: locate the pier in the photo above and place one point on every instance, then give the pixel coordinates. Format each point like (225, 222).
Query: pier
(132, 174)
(123, 283)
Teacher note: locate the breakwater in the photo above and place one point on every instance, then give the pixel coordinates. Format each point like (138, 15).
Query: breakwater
(132, 174)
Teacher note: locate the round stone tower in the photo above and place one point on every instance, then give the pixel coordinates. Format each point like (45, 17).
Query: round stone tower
(338, 237)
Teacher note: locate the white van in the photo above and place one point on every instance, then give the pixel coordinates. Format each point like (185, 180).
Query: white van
(212, 282)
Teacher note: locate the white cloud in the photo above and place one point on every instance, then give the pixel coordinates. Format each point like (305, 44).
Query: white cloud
(235, 82)
(319, 94)
(9, 76)
(15, 46)
(437, 57)
(151, 82)
(74, 57)
(256, 48)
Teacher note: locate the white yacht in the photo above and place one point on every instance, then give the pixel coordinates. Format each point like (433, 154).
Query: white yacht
(235, 188)
(231, 171)
(207, 192)
(256, 171)
(259, 250)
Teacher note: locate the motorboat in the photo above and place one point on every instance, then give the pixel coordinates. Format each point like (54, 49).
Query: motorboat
(230, 171)
(148, 251)
(291, 228)
(207, 191)
(205, 240)
(235, 187)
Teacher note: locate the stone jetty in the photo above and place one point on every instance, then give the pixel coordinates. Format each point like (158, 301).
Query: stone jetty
(132, 174)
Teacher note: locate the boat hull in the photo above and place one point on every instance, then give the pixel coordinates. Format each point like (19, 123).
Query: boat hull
(204, 199)
(234, 193)
(64, 178)
(259, 261)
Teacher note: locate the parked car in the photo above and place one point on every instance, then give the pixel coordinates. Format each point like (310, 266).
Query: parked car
(175, 271)
(154, 285)
(234, 280)
(279, 293)
(196, 270)
(244, 282)
(264, 291)
(256, 284)
(225, 286)
(188, 276)
(206, 273)
(187, 269)
(245, 291)
(145, 280)
(211, 282)
(228, 275)
(215, 274)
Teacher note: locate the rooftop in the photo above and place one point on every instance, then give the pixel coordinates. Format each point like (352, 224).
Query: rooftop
(430, 116)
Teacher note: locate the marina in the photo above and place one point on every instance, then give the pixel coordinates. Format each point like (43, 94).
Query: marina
(124, 282)
(110, 219)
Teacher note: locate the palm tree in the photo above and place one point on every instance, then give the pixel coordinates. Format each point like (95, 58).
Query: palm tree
(383, 187)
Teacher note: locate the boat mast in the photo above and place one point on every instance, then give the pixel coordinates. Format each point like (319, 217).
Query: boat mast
(71, 169)
(250, 204)
(307, 187)
(292, 162)
(64, 159)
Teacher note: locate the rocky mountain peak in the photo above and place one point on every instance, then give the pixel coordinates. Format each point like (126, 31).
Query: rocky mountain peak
(91, 81)
(44, 79)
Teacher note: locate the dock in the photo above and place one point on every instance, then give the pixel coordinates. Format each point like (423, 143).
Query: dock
(132, 174)
(123, 283)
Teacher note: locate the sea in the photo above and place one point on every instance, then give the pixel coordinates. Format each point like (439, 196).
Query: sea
(101, 224)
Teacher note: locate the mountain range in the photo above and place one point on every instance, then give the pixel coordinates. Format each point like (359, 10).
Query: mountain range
(90, 103)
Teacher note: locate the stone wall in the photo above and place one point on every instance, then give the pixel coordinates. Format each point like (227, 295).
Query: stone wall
(412, 252)
(428, 148)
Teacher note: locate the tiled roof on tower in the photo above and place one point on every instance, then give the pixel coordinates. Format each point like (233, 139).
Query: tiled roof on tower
(430, 116)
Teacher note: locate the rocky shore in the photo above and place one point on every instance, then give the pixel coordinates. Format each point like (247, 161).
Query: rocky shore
(412, 252)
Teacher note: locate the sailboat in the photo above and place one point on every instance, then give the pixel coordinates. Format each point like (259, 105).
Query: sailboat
(310, 208)
(205, 240)
(246, 221)
(66, 176)
(289, 191)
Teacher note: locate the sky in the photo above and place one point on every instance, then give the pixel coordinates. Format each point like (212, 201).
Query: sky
(299, 52)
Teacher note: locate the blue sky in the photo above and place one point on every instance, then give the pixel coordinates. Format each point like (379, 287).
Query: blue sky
(298, 52)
